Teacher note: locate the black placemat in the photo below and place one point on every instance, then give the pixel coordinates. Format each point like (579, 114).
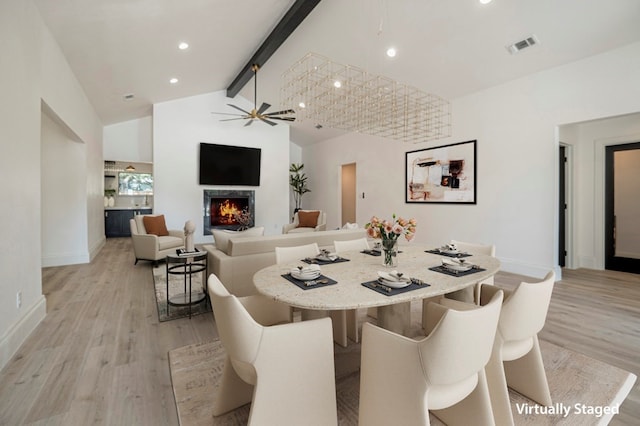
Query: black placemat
(456, 255)
(302, 284)
(375, 286)
(315, 261)
(448, 271)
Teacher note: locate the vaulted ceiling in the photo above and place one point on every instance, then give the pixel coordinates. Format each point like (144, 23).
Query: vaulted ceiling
(449, 48)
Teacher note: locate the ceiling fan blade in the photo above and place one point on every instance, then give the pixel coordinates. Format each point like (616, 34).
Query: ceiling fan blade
(265, 106)
(227, 113)
(239, 109)
(239, 118)
(286, 111)
(282, 118)
(248, 123)
(271, 123)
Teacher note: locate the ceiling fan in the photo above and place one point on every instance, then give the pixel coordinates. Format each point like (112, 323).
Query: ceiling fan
(258, 113)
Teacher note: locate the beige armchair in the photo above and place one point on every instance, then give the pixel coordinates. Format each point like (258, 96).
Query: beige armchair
(149, 245)
(286, 370)
(306, 221)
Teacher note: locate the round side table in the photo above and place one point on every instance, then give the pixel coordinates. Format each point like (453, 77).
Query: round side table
(187, 266)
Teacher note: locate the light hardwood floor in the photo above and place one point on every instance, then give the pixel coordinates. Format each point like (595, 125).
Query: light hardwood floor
(100, 355)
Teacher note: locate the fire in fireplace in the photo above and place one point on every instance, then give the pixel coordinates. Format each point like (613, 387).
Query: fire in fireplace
(224, 210)
(222, 206)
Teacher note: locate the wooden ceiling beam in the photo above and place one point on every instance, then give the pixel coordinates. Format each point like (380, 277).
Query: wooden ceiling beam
(294, 16)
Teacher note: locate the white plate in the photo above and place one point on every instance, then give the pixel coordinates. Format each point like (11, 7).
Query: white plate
(452, 252)
(393, 284)
(305, 276)
(457, 266)
(329, 258)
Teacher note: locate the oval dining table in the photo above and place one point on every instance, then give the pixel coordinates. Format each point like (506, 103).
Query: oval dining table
(394, 311)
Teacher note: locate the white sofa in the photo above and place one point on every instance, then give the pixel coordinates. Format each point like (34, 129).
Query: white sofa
(245, 256)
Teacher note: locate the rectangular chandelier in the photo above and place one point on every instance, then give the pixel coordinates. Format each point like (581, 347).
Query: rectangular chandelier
(348, 98)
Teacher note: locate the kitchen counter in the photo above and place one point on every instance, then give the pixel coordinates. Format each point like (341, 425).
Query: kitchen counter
(129, 208)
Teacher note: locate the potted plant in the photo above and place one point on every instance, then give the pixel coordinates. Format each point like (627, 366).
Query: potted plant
(298, 183)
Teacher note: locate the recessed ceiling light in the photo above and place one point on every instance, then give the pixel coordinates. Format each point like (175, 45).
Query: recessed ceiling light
(485, 1)
(173, 80)
(337, 84)
(391, 52)
(302, 105)
(183, 45)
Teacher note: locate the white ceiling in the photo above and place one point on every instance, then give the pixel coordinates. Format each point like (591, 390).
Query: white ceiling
(446, 47)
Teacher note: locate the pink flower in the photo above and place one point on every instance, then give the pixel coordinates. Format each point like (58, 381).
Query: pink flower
(413, 222)
(409, 236)
(397, 229)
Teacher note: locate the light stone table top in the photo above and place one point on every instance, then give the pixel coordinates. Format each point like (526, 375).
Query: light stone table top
(349, 293)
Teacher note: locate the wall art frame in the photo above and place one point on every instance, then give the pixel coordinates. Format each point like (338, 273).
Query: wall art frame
(444, 174)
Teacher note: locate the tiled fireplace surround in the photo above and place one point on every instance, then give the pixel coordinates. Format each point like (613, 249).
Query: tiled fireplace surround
(218, 207)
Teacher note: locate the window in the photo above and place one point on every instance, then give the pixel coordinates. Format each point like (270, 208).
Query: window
(135, 183)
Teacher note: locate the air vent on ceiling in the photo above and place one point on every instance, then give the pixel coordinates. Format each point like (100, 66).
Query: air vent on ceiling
(523, 44)
(128, 96)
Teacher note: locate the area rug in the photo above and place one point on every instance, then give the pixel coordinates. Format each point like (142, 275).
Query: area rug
(176, 286)
(578, 383)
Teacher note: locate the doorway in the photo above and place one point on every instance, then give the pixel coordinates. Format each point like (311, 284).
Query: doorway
(348, 193)
(622, 207)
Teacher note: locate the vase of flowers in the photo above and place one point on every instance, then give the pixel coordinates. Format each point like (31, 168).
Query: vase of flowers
(389, 232)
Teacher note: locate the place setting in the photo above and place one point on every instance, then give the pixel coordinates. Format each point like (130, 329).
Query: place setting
(325, 257)
(308, 277)
(394, 282)
(449, 250)
(456, 267)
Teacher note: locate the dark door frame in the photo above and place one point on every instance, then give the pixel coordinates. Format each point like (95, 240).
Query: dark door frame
(611, 261)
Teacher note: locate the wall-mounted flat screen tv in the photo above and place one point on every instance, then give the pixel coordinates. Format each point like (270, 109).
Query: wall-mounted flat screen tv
(229, 165)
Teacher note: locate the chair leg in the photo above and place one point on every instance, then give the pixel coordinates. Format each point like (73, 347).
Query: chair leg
(527, 376)
(474, 409)
(498, 390)
(233, 391)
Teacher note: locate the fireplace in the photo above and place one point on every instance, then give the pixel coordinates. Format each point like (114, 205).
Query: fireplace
(220, 205)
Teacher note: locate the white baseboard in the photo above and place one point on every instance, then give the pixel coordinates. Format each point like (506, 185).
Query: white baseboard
(93, 251)
(16, 335)
(62, 259)
(530, 270)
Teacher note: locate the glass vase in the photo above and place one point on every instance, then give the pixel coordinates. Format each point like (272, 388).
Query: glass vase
(389, 253)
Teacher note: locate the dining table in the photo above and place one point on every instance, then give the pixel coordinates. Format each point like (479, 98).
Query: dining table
(350, 282)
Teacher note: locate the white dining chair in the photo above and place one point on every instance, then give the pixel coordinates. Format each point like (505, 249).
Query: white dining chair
(351, 315)
(358, 244)
(516, 361)
(402, 379)
(291, 254)
(286, 371)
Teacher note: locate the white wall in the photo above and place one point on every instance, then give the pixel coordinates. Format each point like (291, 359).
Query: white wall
(178, 128)
(516, 126)
(34, 70)
(129, 141)
(64, 200)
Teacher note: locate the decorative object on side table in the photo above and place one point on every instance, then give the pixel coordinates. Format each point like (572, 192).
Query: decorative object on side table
(389, 232)
(189, 229)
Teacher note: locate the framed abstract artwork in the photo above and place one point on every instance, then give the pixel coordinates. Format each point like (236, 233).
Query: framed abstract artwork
(442, 174)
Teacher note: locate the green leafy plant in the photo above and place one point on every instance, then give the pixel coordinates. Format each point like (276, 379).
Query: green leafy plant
(298, 183)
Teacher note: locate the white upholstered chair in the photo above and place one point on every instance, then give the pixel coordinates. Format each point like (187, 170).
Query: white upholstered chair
(470, 294)
(516, 360)
(286, 371)
(351, 245)
(402, 379)
(149, 246)
(291, 254)
(351, 318)
(303, 221)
